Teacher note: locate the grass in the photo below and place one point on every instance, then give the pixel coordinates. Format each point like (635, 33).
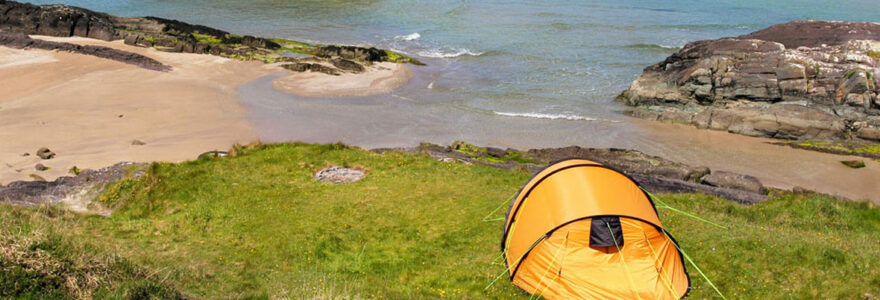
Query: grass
(257, 225)
(874, 54)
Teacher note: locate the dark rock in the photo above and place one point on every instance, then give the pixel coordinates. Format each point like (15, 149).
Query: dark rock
(25, 154)
(352, 52)
(31, 193)
(56, 20)
(41, 167)
(21, 41)
(314, 67)
(138, 143)
(627, 161)
(339, 175)
(734, 181)
(667, 185)
(45, 153)
(347, 65)
(257, 42)
(496, 152)
(855, 164)
(780, 82)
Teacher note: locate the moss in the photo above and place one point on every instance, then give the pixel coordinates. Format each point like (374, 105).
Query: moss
(855, 164)
(401, 59)
(864, 149)
(874, 54)
(207, 39)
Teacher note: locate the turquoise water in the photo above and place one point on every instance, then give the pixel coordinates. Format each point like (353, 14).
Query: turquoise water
(517, 58)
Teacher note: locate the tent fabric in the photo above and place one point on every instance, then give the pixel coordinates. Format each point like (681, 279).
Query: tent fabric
(548, 231)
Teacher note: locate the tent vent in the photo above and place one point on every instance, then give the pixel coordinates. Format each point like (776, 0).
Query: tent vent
(601, 236)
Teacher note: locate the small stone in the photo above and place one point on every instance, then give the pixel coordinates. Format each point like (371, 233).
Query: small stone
(339, 175)
(74, 170)
(855, 164)
(45, 153)
(41, 167)
(495, 152)
(120, 116)
(25, 154)
(138, 143)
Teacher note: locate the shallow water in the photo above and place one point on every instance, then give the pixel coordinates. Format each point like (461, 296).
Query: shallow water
(521, 74)
(395, 121)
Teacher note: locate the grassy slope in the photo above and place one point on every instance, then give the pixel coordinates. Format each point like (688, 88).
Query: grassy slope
(258, 225)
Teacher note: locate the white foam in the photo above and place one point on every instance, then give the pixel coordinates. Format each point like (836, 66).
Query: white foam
(409, 37)
(545, 116)
(454, 53)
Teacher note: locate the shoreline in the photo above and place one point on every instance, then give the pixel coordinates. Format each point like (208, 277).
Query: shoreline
(184, 140)
(94, 112)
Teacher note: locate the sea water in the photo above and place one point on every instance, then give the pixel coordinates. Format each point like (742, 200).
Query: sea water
(561, 60)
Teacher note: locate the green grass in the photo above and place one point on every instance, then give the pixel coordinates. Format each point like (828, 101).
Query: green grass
(874, 54)
(257, 225)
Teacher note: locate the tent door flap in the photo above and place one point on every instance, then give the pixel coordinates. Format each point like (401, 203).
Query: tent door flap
(602, 236)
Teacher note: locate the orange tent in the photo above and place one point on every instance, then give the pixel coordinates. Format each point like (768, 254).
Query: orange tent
(580, 230)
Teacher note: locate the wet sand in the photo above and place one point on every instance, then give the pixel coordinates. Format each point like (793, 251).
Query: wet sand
(380, 78)
(397, 121)
(89, 110)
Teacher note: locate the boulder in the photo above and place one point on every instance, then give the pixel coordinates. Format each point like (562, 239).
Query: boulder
(339, 175)
(734, 181)
(41, 167)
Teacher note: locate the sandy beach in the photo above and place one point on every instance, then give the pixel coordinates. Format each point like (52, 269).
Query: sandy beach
(95, 112)
(90, 110)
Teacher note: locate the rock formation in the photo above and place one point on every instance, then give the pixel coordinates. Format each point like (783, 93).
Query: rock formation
(175, 36)
(801, 80)
(23, 41)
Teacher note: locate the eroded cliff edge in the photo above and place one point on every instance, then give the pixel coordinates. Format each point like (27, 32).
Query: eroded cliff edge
(802, 80)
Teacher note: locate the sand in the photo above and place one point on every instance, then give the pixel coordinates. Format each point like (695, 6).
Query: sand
(380, 78)
(89, 110)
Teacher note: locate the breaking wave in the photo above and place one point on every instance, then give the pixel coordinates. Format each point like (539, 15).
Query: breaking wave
(409, 37)
(545, 116)
(436, 53)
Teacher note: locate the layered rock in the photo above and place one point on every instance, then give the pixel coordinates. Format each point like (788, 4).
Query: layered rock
(175, 36)
(798, 80)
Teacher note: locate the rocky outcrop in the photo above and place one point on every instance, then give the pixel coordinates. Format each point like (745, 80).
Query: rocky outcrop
(76, 191)
(23, 41)
(799, 80)
(175, 36)
(655, 174)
